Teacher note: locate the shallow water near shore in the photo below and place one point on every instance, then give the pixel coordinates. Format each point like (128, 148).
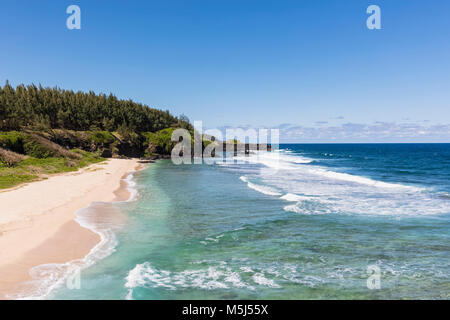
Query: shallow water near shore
(304, 223)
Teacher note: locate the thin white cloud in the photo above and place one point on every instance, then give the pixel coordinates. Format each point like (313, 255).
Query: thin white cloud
(323, 132)
(376, 132)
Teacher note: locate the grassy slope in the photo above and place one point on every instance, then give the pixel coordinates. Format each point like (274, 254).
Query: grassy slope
(32, 169)
(44, 157)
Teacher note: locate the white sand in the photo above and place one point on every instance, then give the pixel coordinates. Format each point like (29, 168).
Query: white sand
(37, 220)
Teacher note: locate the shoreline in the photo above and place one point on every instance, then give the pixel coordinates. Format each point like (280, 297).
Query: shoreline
(42, 226)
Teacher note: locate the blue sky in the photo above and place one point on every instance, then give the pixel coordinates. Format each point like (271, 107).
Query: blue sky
(305, 63)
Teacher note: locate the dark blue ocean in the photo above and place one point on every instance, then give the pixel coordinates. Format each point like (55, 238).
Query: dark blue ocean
(312, 221)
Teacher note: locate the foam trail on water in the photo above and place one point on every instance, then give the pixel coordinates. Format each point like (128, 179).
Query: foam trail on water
(275, 160)
(134, 279)
(48, 277)
(259, 278)
(295, 198)
(313, 189)
(215, 275)
(131, 187)
(263, 189)
(279, 160)
(361, 180)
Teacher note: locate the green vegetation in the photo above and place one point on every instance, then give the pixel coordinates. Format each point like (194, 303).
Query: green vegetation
(159, 142)
(49, 130)
(53, 108)
(30, 169)
(102, 137)
(12, 141)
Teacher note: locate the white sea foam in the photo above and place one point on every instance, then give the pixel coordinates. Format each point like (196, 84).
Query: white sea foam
(302, 161)
(246, 269)
(244, 179)
(296, 198)
(216, 276)
(275, 160)
(279, 160)
(210, 278)
(48, 277)
(131, 187)
(318, 190)
(259, 278)
(263, 189)
(134, 279)
(361, 180)
(308, 210)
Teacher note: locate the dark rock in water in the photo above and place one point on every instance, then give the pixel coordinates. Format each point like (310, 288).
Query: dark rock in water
(145, 160)
(247, 147)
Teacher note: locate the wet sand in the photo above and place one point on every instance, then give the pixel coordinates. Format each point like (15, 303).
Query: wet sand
(37, 223)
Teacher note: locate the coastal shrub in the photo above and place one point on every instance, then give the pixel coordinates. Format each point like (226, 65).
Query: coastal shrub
(128, 134)
(69, 138)
(160, 141)
(87, 158)
(12, 140)
(16, 168)
(40, 147)
(36, 150)
(31, 169)
(102, 138)
(10, 158)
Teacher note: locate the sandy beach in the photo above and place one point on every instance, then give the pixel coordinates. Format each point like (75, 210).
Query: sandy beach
(37, 223)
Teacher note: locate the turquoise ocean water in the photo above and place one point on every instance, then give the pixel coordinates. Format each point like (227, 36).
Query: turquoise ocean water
(304, 223)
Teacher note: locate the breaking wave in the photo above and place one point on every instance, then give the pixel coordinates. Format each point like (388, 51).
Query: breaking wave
(316, 190)
(263, 189)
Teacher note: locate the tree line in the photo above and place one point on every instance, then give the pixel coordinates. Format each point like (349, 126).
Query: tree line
(54, 108)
